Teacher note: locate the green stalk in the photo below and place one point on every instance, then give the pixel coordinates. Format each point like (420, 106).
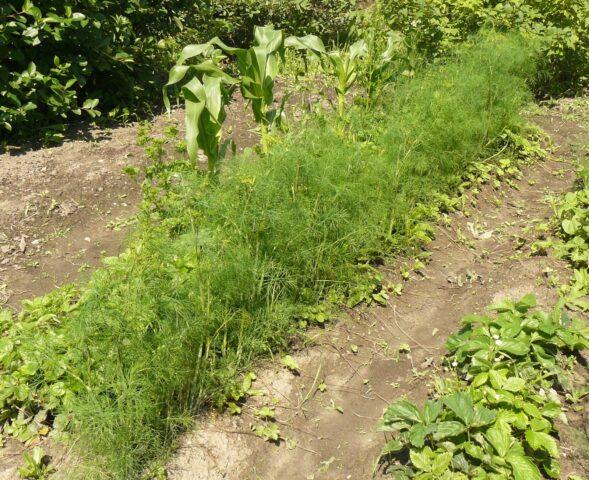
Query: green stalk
(340, 104)
(264, 130)
(212, 163)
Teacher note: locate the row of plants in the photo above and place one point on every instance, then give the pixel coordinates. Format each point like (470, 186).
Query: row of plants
(572, 243)
(512, 377)
(84, 58)
(495, 416)
(207, 88)
(221, 273)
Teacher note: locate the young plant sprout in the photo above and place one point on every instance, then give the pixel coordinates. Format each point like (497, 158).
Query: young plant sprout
(342, 65)
(206, 90)
(258, 67)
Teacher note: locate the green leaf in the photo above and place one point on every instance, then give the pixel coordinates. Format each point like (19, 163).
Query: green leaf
(421, 459)
(403, 410)
(542, 441)
(514, 384)
(480, 379)
(431, 411)
(311, 43)
(514, 347)
(483, 416)
(500, 438)
(570, 227)
(270, 432)
(526, 303)
(290, 363)
(461, 404)
(441, 463)
(392, 446)
(532, 410)
(448, 429)
(265, 413)
(417, 435)
(6, 347)
(523, 467)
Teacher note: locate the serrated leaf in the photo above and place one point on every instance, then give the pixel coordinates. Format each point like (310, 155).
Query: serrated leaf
(523, 467)
(441, 463)
(542, 441)
(514, 384)
(421, 459)
(403, 410)
(265, 413)
(392, 446)
(500, 438)
(461, 404)
(448, 429)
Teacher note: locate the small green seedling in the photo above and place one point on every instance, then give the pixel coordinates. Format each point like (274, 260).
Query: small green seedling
(36, 465)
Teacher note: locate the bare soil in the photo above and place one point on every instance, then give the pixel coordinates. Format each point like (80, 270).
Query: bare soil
(482, 256)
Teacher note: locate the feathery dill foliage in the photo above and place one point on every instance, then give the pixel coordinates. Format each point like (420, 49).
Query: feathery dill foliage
(167, 327)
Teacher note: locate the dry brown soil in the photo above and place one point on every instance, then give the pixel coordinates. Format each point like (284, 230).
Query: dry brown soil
(482, 256)
(64, 208)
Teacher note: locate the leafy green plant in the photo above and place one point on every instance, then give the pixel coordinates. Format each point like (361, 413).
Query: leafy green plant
(57, 59)
(572, 216)
(347, 64)
(258, 68)
(32, 386)
(571, 242)
(344, 66)
(434, 26)
(496, 420)
(36, 465)
(206, 90)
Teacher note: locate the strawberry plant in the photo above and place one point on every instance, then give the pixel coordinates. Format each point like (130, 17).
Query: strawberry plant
(496, 420)
(572, 215)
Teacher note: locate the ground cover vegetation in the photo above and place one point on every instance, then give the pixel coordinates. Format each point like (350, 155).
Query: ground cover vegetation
(495, 419)
(513, 377)
(221, 272)
(227, 265)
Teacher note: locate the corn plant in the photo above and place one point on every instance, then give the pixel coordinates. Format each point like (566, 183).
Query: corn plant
(258, 67)
(343, 65)
(379, 63)
(206, 90)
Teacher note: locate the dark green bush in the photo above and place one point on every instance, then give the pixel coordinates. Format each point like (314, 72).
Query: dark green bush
(435, 25)
(60, 59)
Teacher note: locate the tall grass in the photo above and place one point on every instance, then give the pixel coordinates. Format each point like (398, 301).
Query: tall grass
(166, 328)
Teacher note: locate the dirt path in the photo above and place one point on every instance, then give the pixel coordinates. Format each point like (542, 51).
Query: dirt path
(331, 434)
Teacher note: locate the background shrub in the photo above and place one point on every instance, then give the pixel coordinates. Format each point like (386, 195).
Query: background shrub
(60, 59)
(435, 25)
